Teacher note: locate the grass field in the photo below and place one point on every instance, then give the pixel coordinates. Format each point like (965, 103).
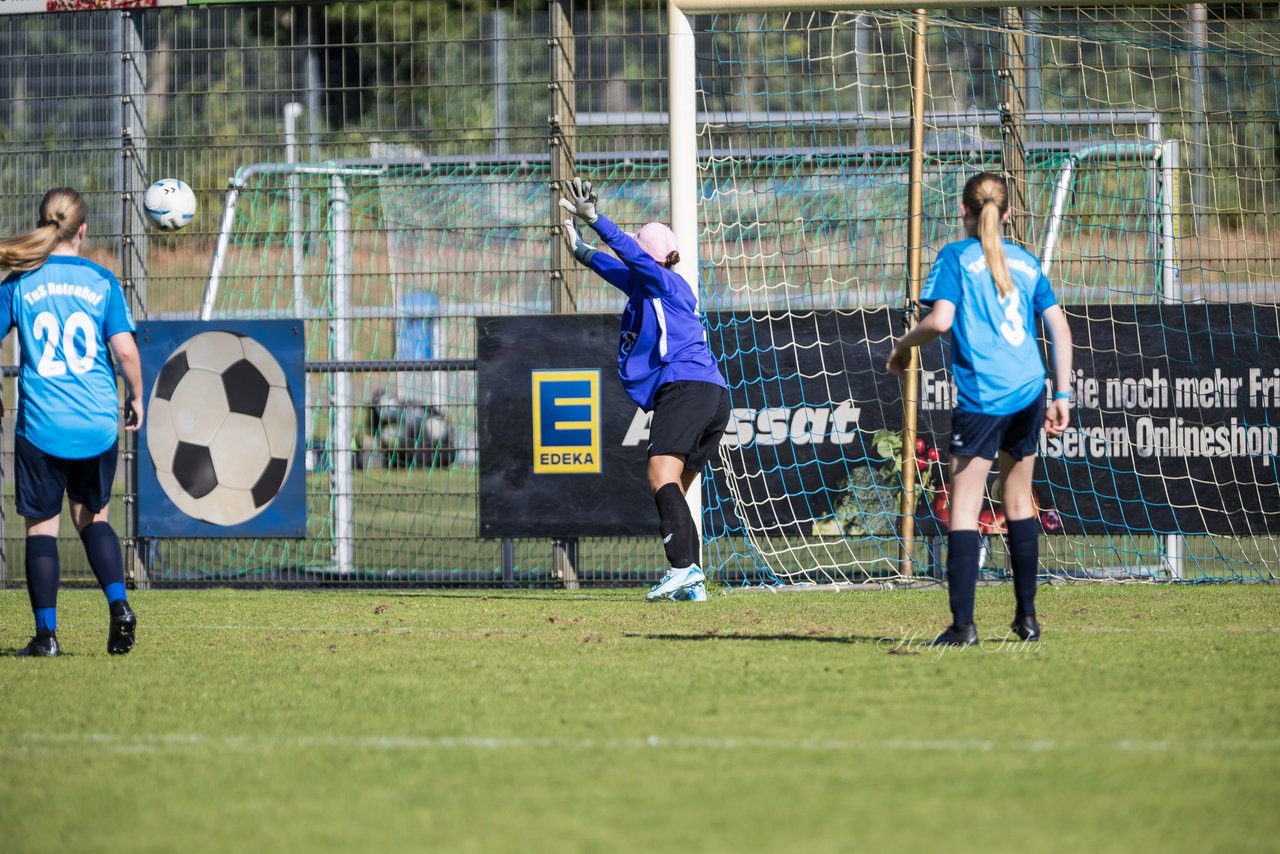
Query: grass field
(1148, 719)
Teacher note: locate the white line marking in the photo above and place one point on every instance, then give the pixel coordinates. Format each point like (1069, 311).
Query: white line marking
(15, 742)
(727, 629)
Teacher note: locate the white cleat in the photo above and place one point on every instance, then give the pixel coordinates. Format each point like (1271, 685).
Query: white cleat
(696, 593)
(674, 581)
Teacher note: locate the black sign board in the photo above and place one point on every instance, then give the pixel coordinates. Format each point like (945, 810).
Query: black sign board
(1176, 427)
(555, 457)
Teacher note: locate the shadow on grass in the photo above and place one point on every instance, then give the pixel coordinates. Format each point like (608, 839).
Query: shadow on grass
(601, 595)
(776, 636)
(15, 652)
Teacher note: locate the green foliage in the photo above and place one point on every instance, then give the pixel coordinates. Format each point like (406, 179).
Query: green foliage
(871, 495)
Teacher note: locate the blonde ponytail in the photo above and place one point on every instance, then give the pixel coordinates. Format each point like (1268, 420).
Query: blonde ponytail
(62, 212)
(986, 199)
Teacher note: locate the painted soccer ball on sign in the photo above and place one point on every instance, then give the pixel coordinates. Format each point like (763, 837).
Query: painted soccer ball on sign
(221, 428)
(170, 204)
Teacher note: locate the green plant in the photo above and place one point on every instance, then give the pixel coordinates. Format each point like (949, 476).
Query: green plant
(870, 498)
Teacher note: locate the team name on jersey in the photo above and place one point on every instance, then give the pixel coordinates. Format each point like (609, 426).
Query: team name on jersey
(56, 289)
(980, 264)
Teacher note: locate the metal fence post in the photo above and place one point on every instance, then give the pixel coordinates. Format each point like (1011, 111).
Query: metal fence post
(561, 122)
(341, 398)
(133, 247)
(915, 251)
(1013, 152)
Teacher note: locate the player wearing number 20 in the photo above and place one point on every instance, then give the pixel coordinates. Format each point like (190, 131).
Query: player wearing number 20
(988, 294)
(67, 310)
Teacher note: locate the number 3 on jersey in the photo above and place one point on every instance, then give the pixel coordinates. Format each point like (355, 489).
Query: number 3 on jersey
(55, 364)
(1014, 327)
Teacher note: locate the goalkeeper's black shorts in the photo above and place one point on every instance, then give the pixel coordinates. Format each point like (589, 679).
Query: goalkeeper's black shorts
(689, 418)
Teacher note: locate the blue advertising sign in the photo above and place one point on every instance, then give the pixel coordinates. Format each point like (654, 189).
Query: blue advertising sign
(220, 451)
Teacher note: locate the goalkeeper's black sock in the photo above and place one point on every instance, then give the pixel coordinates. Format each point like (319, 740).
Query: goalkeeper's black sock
(962, 574)
(678, 530)
(1023, 543)
(102, 547)
(43, 575)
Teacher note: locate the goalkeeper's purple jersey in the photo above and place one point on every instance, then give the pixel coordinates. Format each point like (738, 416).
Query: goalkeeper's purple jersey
(662, 340)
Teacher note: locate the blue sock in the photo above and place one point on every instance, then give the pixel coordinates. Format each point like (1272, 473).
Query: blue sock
(46, 621)
(1023, 543)
(102, 547)
(962, 574)
(43, 574)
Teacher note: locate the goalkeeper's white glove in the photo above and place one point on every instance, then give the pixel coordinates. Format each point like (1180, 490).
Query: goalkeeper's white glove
(580, 200)
(573, 239)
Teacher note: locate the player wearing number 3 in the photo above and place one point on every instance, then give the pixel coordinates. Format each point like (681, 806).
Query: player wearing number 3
(988, 294)
(666, 367)
(67, 309)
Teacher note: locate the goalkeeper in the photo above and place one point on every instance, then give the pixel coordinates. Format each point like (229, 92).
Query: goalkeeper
(666, 367)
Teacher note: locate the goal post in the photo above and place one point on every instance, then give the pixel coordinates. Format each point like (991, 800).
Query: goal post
(765, 167)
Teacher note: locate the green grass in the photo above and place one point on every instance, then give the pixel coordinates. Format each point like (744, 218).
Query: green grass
(1149, 719)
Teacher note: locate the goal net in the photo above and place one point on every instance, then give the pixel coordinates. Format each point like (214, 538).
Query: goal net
(390, 259)
(1145, 159)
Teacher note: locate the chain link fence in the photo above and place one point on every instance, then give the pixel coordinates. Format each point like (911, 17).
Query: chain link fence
(458, 102)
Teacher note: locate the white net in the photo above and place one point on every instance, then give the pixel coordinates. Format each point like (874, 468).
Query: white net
(1143, 149)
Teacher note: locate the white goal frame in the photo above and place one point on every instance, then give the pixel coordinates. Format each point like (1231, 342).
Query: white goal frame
(683, 144)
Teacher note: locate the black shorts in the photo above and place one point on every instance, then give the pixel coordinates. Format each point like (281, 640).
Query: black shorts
(689, 417)
(974, 434)
(40, 480)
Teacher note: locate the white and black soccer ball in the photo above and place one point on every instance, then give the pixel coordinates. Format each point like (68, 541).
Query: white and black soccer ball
(170, 204)
(221, 428)
(410, 435)
(436, 439)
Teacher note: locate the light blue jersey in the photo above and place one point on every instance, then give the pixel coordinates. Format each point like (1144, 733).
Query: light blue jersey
(662, 338)
(995, 355)
(65, 312)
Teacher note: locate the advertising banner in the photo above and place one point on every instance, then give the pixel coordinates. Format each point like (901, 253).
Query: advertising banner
(220, 451)
(18, 7)
(1175, 427)
(555, 457)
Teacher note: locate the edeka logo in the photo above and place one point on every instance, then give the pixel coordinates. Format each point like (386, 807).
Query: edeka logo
(566, 422)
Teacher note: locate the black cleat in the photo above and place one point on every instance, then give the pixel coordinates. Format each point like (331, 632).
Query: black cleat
(41, 647)
(123, 623)
(1026, 628)
(955, 635)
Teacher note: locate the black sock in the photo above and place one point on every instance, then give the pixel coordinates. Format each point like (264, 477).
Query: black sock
(1023, 543)
(102, 547)
(962, 574)
(43, 575)
(678, 530)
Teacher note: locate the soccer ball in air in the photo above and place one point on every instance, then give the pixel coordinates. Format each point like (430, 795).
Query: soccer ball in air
(221, 428)
(169, 203)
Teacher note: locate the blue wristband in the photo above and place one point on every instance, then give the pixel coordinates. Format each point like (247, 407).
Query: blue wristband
(1062, 395)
